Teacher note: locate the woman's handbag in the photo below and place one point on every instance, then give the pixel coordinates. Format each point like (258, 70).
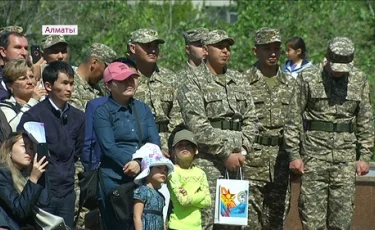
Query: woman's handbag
(122, 201)
(47, 221)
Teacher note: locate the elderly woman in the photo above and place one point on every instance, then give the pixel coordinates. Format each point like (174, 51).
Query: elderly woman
(25, 91)
(21, 183)
(122, 125)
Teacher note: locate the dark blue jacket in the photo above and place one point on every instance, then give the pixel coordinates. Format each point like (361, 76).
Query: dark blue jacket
(4, 93)
(117, 132)
(65, 136)
(91, 144)
(17, 209)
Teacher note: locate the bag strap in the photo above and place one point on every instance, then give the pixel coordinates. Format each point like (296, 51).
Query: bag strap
(239, 174)
(138, 124)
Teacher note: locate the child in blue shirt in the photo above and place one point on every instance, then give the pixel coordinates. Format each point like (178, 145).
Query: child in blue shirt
(296, 53)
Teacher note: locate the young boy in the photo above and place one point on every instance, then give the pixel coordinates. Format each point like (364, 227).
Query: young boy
(187, 184)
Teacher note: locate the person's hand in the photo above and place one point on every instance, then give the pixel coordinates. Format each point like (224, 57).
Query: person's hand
(38, 168)
(234, 161)
(165, 153)
(362, 168)
(182, 191)
(132, 168)
(297, 166)
(39, 91)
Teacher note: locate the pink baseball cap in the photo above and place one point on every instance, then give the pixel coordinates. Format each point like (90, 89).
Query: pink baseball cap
(118, 71)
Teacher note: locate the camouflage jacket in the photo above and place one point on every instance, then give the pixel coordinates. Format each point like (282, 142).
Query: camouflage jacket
(159, 93)
(271, 104)
(186, 70)
(271, 109)
(320, 97)
(204, 98)
(82, 93)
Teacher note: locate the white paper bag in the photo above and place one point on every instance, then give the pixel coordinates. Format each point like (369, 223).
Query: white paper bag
(231, 202)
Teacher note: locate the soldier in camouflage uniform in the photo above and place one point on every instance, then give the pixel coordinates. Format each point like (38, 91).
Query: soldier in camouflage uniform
(267, 165)
(330, 114)
(219, 109)
(194, 48)
(87, 77)
(54, 48)
(157, 85)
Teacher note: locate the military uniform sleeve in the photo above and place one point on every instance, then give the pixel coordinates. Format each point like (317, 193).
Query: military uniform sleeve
(211, 140)
(77, 102)
(294, 123)
(365, 125)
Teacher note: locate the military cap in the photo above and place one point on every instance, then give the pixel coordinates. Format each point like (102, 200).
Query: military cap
(51, 40)
(341, 54)
(195, 35)
(184, 135)
(101, 51)
(145, 36)
(266, 36)
(216, 36)
(17, 29)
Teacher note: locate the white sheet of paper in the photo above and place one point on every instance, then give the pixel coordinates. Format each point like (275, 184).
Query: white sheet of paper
(36, 131)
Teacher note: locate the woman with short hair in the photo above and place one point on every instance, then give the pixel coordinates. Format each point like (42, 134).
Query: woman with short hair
(25, 91)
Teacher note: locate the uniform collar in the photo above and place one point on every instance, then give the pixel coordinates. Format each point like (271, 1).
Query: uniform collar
(258, 74)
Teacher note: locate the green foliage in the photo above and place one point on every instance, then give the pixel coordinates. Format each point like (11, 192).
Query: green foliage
(111, 22)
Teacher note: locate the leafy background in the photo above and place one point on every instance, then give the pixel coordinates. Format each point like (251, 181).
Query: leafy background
(111, 22)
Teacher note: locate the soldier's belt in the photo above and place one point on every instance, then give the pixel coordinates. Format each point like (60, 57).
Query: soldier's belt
(269, 140)
(227, 125)
(162, 126)
(327, 126)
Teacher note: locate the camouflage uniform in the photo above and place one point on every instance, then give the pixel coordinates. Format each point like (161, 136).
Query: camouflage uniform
(332, 117)
(267, 165)
(158, 91)
(83, 93)
(219, 109)
(194, 35)
(49, 41)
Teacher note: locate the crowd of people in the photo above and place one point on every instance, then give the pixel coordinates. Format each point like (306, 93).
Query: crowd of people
(174, 134)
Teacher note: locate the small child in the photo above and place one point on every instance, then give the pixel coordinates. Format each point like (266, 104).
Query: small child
(296, 53)
(187, 184)
(148, 201)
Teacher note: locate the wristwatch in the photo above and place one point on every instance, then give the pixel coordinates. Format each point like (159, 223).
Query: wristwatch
(244, 152)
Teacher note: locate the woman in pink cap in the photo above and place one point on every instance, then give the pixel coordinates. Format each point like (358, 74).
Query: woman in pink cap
(122, 125)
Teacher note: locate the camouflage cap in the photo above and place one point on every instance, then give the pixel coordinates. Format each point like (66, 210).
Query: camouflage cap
(341, 54)
(266, 36)
(51, 40)
(195, 35)
(101, 51)
(17, 29)
(216, 36)
(145, 36)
